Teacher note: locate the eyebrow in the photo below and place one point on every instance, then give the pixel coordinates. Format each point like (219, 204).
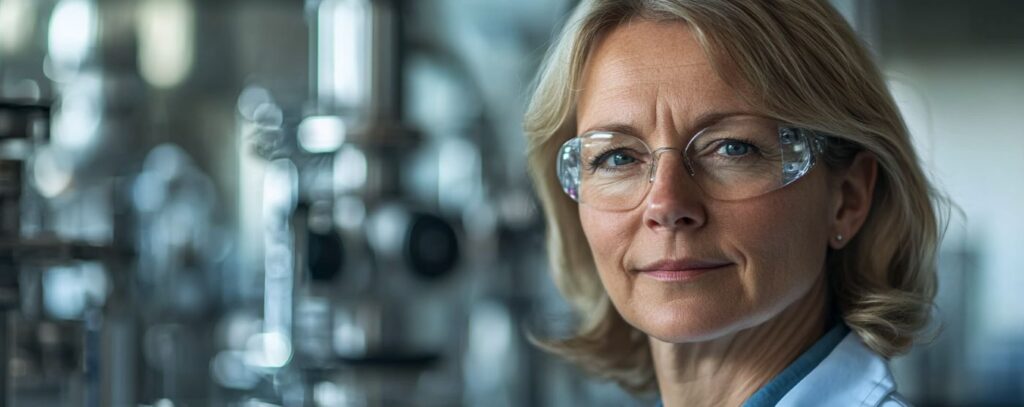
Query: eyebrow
(702, 122)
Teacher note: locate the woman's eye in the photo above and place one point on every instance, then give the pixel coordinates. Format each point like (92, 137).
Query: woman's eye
(734, 149)
(613, 159)
(619, 159)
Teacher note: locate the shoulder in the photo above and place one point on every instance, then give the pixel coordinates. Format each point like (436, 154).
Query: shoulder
(851, 375)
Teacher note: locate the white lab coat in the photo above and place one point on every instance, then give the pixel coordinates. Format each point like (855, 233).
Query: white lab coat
(851, 375)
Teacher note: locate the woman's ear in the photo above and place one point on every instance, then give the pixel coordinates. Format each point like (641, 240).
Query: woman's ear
(854, 192)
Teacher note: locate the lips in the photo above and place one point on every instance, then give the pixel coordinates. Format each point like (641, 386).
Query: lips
(681, 269)
(682, 265)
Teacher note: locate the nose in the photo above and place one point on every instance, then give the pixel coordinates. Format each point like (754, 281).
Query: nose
(674, 200)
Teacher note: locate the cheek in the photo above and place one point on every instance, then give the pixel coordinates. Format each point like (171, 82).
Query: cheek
(609, 235)
(783, 241)
(603, 229)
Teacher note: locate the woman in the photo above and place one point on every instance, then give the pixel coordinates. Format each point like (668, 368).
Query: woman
(733, 204)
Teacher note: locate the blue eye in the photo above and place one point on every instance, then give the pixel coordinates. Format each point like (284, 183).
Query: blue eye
(734, 149)
(614, 159)
(618, 159)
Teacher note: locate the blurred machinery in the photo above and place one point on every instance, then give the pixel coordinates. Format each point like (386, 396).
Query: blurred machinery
(248, 221)
(43, 352)
(360, 297)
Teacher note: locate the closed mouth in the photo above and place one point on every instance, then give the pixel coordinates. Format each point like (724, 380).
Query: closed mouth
(682, 265)
(680, 270)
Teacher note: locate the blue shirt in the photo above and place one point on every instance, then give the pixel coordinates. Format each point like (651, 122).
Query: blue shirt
(837, 370)
(773, 391)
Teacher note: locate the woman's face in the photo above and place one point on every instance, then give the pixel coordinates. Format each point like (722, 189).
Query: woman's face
(680, 266)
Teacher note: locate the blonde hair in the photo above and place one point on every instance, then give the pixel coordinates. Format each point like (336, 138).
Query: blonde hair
(803, 65)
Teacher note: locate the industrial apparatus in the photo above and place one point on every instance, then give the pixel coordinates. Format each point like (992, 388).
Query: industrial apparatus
(267, 203)
(358, 273)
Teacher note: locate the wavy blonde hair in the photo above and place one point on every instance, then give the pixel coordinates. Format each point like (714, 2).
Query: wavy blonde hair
(803, 65)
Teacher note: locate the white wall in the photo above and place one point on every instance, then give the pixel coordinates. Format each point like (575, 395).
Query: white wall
(967, 111)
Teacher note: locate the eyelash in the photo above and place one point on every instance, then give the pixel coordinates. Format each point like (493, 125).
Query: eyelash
(594, 164)
(719, 143)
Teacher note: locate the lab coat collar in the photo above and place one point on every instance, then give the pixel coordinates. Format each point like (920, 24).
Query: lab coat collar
(852, 375)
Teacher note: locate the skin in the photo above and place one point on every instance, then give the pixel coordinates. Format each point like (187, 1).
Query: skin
(718, 338)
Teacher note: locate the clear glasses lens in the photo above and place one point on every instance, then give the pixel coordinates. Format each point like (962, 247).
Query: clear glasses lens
(735, 161)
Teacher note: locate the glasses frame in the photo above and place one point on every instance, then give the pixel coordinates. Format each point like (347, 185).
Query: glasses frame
(568, 166)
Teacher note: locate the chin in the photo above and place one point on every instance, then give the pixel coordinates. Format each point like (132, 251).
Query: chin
(677, 323)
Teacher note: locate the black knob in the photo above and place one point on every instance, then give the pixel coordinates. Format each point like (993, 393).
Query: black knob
(326, 255)
(432, 248)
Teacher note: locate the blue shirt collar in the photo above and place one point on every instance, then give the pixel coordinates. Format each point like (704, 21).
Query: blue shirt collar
(773, 391)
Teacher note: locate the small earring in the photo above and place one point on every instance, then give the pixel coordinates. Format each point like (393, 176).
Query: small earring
(839, 238)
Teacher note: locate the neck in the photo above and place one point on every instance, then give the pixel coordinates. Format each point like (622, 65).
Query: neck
(728, 370)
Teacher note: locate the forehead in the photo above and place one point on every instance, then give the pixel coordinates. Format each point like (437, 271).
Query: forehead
(646, 74)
